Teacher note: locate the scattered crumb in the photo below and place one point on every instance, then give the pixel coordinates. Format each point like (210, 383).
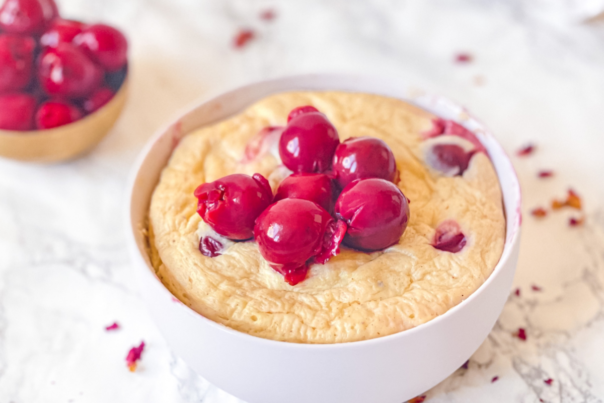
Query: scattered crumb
(479, 81)
(539, 212)
(572, 200)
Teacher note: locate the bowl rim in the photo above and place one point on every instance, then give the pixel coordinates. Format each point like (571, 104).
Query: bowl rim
(33, 133)
(510, 240)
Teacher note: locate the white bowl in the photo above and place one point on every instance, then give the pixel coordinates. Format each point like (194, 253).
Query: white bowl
(389, 369)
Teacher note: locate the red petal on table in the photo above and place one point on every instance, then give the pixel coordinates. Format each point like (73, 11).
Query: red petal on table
(538, 212)
(526, 150)
(536, 288)
(463, 58)
(575, 222)
(243, 37)
(521, 334)
(466, 364)
(113, 326)
(134, 355)
(517, 292)
(545, 174)
(548, 381)
(418, 399)
(268, 15)
(495, 379)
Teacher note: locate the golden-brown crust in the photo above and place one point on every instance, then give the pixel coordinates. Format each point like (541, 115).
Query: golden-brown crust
(355, 296)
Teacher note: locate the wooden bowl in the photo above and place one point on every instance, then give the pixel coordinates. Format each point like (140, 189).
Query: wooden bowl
(64, 142)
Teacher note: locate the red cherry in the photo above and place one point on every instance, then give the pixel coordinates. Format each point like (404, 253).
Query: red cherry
(376, 212)
(450, 159)
(98, 99)
(66, 71)
(17, 111)
(292, 231)
(27, 16)
(16, 61)
(362, 158)
(314, 187)
(56, 113)
(231, 204)
(105, 45)
(448, 237)
(308, 143)
(61, 31)
(210, 247)
(301, 110)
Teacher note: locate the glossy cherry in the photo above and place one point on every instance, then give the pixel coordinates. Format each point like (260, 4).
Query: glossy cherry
(448, 237)
(98, 99)
(105, 45)
(231, 204)
(292, 231)
(450, 159)
(56, 113)
(210, 247)
(362, 158)
(376, 212)
(27, 16)
(301, 110)
(308, 143)
(443, 127)
(60, 31)
(313, 187)
(66, 72)
(17, 111)
(16, 61)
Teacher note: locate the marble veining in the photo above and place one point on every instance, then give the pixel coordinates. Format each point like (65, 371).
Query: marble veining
(536, 76)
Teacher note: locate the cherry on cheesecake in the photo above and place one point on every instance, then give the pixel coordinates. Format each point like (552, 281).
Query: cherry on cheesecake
(448, 237)
(26, 17)
(301, 110)
(308, 141)
(362, 158)
(60, 31)
(65, 71)
(105, 45)
(376, 212)
(56, 113)
(16, 61)
(230, 205)
(17, 111)
(293, 231)
(314, 187)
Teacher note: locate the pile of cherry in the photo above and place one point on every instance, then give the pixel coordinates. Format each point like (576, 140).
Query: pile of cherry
(338, 193)
(54, 71)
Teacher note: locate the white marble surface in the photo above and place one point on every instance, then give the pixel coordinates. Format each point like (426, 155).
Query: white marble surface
(64, 270)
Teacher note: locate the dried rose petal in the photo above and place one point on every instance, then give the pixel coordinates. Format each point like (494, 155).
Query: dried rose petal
(242, 38)
(539, 212)
(495, 379)
(520, 333)
(517, 292)
(466, 364)
(113, 326)
(526, 150)
(548, 381)
(536, 288)
(463, 58)
(572, 200)
(418, 399)
(267, 15)
(134, 355)
(210, 247)
(575, 222)
(448, 237)
(545, 174)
